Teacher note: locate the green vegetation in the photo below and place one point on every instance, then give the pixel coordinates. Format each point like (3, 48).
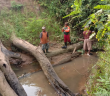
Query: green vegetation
(99, 82)
(57, 8)
(25, 24)
(77, 13)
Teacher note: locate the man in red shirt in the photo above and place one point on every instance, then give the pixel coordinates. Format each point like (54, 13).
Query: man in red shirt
(66, 31)
(87, 42)
(44, 38)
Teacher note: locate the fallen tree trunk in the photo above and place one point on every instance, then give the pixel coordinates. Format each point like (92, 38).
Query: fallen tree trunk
(5, 88)
(51, 75)
(8, 72)
(68, 58)
(69, 49)
(64, 60)
(10, 54)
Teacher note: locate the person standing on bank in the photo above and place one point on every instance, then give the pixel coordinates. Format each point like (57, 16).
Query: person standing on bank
(66, 31)
(44, 39)
(87, 42)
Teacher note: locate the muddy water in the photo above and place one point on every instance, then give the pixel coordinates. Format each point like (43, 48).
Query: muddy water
(25, 69)
(74, 75)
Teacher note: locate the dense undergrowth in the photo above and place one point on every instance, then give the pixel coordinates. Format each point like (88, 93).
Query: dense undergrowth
(58, 8)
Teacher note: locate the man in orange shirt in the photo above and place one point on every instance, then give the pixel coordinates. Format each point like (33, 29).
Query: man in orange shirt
(44, 38)
(66, 31)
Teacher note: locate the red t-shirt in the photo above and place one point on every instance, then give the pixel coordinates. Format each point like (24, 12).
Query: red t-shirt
(86, 34)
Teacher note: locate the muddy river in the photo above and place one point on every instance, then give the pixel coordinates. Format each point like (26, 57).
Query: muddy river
(74, 74)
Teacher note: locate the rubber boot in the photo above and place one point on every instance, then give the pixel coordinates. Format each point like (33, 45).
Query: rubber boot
(70, 43)
(64, 47)
(44, 51)
(65, 44)
(47, 51)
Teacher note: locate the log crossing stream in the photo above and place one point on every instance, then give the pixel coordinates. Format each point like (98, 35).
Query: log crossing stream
(74, 74)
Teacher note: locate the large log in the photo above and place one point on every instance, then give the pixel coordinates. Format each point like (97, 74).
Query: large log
(69, 49)
(9, 54)
(45, 64)
(5, 88)
(68, 58)
(8, 72)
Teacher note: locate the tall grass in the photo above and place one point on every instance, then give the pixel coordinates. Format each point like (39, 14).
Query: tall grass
(27, 25)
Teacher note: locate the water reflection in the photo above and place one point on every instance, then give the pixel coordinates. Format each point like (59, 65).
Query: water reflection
(34, 90)
(38, 85)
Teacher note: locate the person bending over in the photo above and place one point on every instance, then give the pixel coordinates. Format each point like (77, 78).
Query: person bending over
(87, 46)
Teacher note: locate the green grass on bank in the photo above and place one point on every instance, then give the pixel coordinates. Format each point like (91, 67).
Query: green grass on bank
(27, 25)
(99, 81)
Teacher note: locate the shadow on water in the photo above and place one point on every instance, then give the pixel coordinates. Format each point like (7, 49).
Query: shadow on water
(74, 74)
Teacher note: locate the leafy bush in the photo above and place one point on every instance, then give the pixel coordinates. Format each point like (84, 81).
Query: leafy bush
(57, 8)
(81, 10)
